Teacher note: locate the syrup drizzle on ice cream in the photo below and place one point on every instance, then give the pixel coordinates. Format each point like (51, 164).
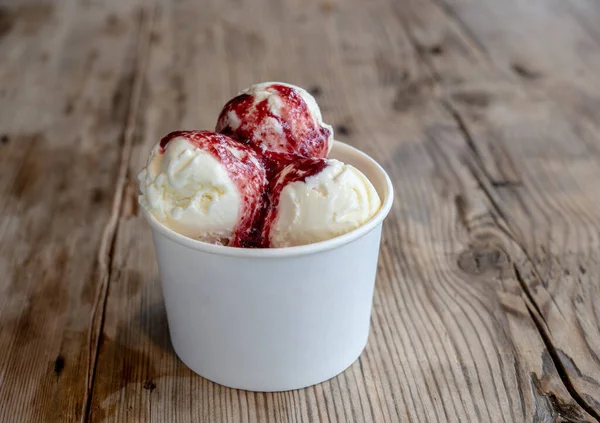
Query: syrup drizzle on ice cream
(276, 118)
(226, 186)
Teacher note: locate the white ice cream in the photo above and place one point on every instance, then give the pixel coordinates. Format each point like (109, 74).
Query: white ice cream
(259, 92)
(190, 191)
(333, 202)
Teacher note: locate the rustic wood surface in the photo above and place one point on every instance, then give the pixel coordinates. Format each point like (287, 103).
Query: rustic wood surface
(485, 113)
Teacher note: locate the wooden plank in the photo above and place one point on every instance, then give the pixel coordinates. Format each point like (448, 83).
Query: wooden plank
(536, 155)
(64, 94)
(452, 338)
(554, 214)
(534, 40)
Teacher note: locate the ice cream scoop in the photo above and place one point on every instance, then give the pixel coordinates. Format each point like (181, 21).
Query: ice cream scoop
(277, 117)
(314, 200)
(204, 185)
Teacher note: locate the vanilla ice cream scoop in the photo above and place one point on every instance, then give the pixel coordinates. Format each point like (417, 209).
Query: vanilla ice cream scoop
(318, 199)
(277, 117)
(204, 185)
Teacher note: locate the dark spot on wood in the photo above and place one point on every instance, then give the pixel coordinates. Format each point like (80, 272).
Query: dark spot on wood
(582, 269)
(389, 72)
(481, 260)
(120, 97)
(472, 98)
(461, 210)
(62, 186)
(112, 20)
(149, 385)
(69, 107)
(155, 37)
(410, 95)
(97, 195)
(6, 21)
(342, 129)
(436, 50)
(4, 139)
(59, 365)
(506, 184)
(315, 90)
(567, 272)
(524, 72)
(114, 26)
(328, 6)
(44, 57)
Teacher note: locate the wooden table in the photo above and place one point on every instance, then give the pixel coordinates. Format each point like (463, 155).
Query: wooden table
(486, 114)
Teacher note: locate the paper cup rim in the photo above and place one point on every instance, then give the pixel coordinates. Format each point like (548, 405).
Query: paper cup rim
(301, 250)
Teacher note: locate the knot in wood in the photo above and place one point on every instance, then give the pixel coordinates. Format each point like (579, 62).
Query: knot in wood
(480, 260)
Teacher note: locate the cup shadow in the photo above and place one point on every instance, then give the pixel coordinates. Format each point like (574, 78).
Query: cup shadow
(152, 320)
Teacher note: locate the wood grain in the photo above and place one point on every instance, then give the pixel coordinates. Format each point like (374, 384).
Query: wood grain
(64, 84)
(452, 339)
(540, 185)
(485, 308)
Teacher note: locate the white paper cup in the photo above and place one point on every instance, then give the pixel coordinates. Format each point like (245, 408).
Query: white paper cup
(273, 319)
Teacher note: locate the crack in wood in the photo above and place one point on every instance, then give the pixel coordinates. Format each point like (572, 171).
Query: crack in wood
(477, 168)
(551, 400)
(562, 373)
(549, 408)
(109, 237)
(526, 291)
(547, 342)
(487, 185)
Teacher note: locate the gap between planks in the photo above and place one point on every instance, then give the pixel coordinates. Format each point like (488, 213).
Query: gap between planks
(105, 253)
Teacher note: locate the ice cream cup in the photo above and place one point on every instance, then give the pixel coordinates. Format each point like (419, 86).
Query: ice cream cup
(273, 319)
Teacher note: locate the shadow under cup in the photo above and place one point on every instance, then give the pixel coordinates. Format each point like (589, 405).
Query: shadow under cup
(273, 319)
